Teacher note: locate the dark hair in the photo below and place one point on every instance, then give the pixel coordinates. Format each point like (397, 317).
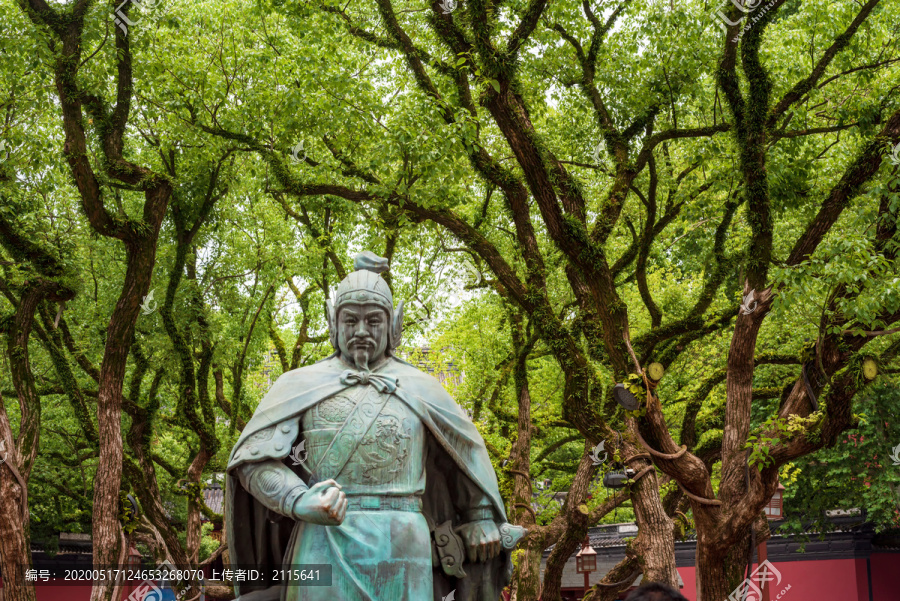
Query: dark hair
(654, 591)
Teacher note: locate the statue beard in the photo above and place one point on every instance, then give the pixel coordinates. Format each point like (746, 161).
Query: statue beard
(360, 349)
(361, 358)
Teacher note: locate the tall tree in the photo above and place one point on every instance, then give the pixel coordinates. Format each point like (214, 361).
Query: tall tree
(64, 31)
(34, 275)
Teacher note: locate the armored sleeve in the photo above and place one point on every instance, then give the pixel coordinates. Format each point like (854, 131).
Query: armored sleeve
(263, 474)
(273, 484)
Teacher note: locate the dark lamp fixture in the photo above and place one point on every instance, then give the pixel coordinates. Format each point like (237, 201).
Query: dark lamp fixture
(625, 398)
(617, 478)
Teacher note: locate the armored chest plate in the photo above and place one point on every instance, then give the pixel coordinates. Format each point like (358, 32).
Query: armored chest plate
(388, 440)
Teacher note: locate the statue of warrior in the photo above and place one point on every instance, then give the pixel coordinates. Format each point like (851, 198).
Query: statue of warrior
(364, 463)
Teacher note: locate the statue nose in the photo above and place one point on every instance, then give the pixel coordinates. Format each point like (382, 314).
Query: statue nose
(361, 328)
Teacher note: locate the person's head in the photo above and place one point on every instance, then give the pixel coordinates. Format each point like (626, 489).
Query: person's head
(363, 333)
(364, 325)
(654, 591)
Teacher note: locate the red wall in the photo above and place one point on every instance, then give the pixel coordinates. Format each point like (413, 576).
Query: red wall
(885, 577)
(822, 580)
(689, 575)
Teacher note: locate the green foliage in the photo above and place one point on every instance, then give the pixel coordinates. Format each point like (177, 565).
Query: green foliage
(208, 544)
(857, 473)
(775, 430)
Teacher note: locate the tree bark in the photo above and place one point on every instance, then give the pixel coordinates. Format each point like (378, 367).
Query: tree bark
(527, 577)
(193, 523)
(15, 551)
(526, 582)
(17, 454)
(655, 542)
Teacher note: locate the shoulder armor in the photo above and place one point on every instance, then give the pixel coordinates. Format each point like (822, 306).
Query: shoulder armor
(273, 442)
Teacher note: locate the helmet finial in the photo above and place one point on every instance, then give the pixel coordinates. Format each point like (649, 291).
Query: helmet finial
(369, 261)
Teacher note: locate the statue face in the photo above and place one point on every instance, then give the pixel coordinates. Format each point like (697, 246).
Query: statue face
(362, 333)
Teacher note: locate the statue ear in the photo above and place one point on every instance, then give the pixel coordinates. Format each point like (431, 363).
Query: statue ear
(397, 326)
(332, 326)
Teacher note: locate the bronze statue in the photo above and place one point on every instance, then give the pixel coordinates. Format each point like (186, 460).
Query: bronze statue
(364, 463)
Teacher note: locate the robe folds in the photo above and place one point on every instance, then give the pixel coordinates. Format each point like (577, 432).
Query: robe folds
(458, 460)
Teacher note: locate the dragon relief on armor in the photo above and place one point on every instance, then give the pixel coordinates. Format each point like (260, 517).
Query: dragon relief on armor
(383, 452)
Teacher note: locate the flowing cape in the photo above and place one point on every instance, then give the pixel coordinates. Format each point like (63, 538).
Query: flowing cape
(256, 541)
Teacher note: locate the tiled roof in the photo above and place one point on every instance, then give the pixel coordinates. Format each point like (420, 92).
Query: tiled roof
(214, 497)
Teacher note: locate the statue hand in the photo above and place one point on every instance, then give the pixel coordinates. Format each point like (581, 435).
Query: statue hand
(482, 539)
(324, 503)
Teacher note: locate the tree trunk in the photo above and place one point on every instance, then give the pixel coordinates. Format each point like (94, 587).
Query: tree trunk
(107, 531)
(17, 454)
(527, 575)
(15, 551)
(576, 528)
(620, 577)
(720, 570)
(655, 542)
(193, 523)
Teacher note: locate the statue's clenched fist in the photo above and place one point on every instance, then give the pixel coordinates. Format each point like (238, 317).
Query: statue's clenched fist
(324, 503)
(482, 539)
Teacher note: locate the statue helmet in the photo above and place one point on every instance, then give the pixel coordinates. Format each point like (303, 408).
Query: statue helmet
(365, 285)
